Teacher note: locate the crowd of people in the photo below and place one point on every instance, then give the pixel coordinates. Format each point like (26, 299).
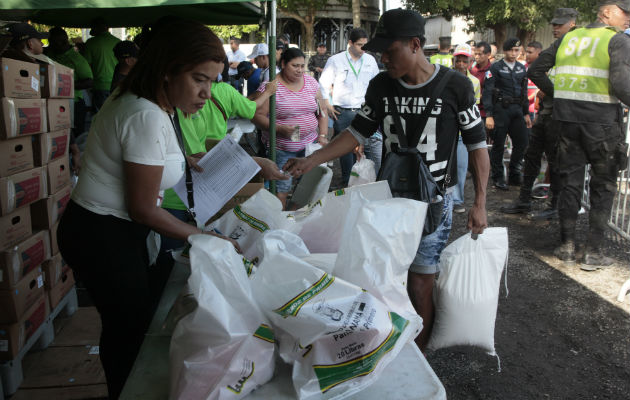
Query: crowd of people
(156, 101)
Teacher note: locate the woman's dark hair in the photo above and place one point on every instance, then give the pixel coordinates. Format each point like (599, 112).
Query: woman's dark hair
(174, 48)
(289, 54)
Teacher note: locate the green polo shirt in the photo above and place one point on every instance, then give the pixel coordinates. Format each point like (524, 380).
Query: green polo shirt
(99, 53)
(209, 123)
(72, 59)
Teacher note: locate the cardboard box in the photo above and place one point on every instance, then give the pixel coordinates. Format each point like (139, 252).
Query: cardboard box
(53, 270)
(22, 189)
(13, 337)
(52, 234)
(16, 155)
(61, 288)
(245, 193)
(22, 117)
(58, 114)
(15, 227)
(50, 146)
(58, 173)
(18, 261)
(15, 301)
(46, 212)
(56, 81)
(19, 79)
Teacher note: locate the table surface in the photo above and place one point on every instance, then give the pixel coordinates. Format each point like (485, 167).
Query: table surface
(409, 373)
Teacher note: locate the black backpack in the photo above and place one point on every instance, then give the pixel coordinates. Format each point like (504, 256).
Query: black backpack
(405, 170)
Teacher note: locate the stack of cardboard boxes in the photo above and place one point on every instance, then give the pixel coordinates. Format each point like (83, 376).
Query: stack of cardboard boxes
(34, 190)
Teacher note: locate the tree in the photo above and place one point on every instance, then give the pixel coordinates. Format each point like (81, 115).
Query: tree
(304, 12)
(526, 15)
(356, 13)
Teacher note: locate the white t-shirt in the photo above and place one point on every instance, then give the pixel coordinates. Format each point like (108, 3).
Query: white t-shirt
(125, 129)
(233, 56)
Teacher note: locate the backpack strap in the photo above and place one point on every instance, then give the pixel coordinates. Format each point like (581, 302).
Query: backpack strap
(216, 103)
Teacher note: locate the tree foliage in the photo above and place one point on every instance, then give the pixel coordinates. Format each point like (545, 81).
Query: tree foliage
(225, 32)
(526, 15)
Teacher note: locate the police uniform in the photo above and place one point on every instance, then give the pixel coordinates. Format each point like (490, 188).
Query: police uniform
(505, 99)
(591, 77)
(542, 139)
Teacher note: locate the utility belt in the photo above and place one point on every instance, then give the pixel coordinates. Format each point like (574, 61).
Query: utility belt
(507, 101)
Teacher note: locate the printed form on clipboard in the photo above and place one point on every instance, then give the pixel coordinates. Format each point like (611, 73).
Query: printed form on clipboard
(226, 169)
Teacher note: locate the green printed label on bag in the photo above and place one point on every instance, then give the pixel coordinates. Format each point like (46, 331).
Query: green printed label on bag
(265, 333)
(249, 265)
(353, 174)
(330, 376)
(340, 192)
(246, 373)
(249, 220)
(295, 304)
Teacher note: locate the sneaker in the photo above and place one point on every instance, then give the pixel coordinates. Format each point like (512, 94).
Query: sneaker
(459, 209)
(518, 206)
(566, 251)
(541, 192)
(593, 261)
(548, 214)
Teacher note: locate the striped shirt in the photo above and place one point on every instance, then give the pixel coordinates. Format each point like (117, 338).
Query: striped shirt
(295, 108)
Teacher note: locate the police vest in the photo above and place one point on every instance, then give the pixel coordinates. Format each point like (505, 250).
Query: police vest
(442, 59)
(582, 66)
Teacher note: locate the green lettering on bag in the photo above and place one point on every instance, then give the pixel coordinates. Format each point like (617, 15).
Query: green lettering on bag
(294, 305)
(265, 333)
(249, 220)
(330, 376)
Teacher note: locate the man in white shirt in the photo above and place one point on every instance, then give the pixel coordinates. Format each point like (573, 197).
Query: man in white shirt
(347, 75)
(235, 56)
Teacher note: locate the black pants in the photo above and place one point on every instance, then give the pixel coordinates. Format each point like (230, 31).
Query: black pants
(508, 120)
(109, 255)
(580, 144)
(543, 139)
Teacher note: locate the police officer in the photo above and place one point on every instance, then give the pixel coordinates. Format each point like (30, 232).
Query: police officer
(543, 138)
(507, 111)
(591, 76)
(443, 57)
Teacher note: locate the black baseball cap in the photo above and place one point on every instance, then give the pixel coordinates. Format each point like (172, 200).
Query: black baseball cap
(279, 45)
(395, 24)
(244, 67)
(623, 4)
(510, 43)
(23, 31)
(126, 48)
(563, 15)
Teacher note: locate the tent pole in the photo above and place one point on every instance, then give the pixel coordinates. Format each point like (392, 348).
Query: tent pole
(272, 99)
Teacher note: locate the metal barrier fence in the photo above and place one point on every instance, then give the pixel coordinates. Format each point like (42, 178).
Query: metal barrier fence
(619, 220)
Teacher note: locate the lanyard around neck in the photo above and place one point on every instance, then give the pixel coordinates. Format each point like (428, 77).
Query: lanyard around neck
(356, 73)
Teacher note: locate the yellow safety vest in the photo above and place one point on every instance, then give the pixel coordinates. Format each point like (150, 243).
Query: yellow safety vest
(582, 66)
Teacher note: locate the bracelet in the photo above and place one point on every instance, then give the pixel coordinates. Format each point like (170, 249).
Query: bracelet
(323, 135)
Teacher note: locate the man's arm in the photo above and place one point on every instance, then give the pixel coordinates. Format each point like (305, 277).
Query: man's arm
(341, 144)
(311, 64)
(480, 162)
(619, 51)
(326, 80)
(486, 93)
(537, 71)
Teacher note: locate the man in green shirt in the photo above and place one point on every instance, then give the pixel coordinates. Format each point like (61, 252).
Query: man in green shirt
(444, 56)
(209, 123)
(99, 53)
(62, 52)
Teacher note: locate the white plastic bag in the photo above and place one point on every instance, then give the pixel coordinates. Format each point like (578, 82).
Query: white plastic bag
(466, 294)
(378, 246)
(225, 348)
(362, 172)
(338, 336)
(321, 224)
(247, 222)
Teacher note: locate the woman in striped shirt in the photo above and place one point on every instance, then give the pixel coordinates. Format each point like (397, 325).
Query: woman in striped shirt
(298, 121)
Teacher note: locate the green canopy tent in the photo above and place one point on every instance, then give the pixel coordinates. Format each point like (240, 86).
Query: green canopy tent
(124, 13)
